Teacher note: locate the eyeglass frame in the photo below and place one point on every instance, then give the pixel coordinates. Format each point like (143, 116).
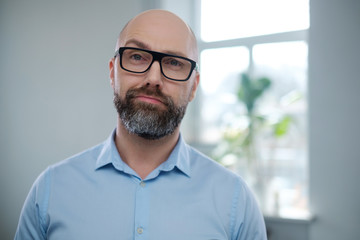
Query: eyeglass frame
(157, 56)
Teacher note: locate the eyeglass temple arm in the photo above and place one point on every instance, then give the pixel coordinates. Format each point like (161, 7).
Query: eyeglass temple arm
(116, 53)
(197, 67)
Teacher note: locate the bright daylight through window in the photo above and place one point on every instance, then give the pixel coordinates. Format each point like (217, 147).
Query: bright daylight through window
(254, 96)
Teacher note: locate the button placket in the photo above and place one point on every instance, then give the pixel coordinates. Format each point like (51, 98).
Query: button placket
(142, 210)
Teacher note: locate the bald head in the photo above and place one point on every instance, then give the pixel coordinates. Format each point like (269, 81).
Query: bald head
(160, 30)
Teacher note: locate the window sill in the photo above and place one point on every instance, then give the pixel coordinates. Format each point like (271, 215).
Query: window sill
(296, 220)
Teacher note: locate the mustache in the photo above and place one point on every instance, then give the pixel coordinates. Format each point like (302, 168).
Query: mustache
(157, 93)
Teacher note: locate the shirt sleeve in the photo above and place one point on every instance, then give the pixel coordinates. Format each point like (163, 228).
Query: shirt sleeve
(32, 222)
(249, 221)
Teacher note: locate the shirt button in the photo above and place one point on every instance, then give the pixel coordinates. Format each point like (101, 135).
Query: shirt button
(142, 184)
(140, 230)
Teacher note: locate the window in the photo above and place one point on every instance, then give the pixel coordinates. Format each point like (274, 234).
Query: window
(219, 70)
(255, 39)
(230, 19)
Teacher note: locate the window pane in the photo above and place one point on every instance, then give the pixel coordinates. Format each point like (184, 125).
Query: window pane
(229, 19)
(283, 160)
(220, 70)
(286, 62)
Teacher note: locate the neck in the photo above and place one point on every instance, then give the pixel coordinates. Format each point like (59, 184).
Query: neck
(141, 154)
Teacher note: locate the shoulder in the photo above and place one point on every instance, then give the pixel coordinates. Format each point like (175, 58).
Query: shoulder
(200, 163)
(68, 174)
(82, 160)
(69, 170)
(231, 193)
(55, 182)
(213, 174)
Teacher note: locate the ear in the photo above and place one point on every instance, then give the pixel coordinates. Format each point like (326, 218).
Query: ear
(112, 72)
(194, 87)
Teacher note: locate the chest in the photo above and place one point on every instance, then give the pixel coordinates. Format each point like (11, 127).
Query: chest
(133, 209)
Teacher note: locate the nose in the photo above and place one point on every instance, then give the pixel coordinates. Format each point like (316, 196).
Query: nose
(154, 76)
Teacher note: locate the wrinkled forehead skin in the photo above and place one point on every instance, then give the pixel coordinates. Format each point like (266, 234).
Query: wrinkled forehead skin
(162, 31)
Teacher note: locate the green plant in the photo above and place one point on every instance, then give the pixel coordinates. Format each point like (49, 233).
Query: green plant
(241, 142)
(249, 93)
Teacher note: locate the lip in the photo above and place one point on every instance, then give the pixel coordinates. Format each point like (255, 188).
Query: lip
(149, 99)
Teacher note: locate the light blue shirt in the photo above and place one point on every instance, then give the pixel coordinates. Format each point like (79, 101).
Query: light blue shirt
(95, 195)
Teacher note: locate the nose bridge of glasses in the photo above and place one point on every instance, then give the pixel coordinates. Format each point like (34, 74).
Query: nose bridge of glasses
(156, 56)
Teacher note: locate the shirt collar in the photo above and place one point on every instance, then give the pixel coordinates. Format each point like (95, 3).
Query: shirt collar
(179, 158)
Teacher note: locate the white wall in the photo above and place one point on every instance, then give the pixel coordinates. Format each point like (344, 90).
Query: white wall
(334, 101)
(55, 97)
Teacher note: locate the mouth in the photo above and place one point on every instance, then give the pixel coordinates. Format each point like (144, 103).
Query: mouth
(150, 99)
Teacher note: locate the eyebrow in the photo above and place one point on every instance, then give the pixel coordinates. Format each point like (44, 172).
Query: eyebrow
(138, 43)
(143, 45)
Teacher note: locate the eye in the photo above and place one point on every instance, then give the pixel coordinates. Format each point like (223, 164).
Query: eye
(173, 63)
(136, 57)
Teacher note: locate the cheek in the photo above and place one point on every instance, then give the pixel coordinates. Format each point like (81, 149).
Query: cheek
(123, 83)
(191, 90)
(185, 95)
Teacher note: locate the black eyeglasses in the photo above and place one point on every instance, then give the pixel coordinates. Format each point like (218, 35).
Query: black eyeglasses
(137, 60)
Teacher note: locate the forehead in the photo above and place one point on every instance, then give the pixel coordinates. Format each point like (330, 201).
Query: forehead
(159, 31)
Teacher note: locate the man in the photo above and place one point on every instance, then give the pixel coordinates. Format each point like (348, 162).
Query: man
(144, 181)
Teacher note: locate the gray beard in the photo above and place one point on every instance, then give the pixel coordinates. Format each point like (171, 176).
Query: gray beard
(147, 120)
